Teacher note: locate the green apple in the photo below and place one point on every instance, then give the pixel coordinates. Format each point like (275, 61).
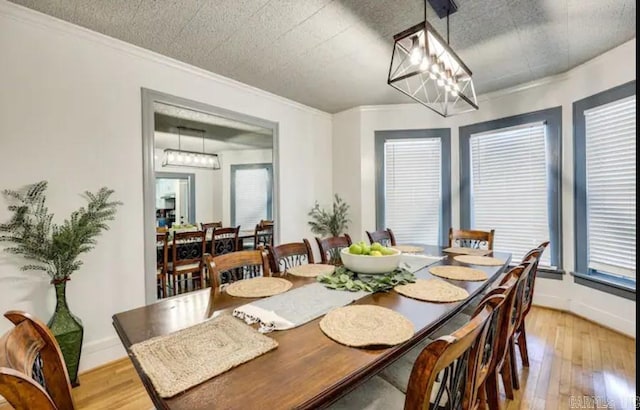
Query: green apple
(355, 249)
(366, 249)
(375, 253)
(387, 251)
(376, 246)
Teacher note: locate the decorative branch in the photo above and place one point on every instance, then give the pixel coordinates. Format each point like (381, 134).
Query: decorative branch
(330, 223)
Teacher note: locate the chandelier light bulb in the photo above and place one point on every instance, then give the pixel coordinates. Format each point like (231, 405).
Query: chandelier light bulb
(424, 65)
(440, 82)
(447, 87)
(416, 51)
(432, 76)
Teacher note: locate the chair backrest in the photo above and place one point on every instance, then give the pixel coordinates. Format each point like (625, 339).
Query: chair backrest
(162, 252)
(533, 255)
(208, 228)
(32, 370)
(263, 234)
(224, 240)
(471, 239)
(330, 248)
(384, 237)
(288, 255)
(445, 373)
(188, 248)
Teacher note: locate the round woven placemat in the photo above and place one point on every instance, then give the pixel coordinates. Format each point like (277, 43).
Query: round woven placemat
(467, 251)
(311, 270)
(258, 287)
(458, 273)
(432, 290)
(366, 325)
(408, 248)
(478, 260)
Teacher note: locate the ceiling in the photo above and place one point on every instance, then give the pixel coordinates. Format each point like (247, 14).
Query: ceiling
(334, 54)
(205, 132)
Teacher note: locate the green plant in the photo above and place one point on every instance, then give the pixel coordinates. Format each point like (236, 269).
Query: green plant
(330, 223)
(54, 248)
(344, 279)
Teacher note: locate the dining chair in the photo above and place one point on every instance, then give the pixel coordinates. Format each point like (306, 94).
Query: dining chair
(263, 234)
(233, 267)
(330, 248)
(162, 261)
(471, 238)
(208, 228)
(33, 374)
(224, 240)
(385, 237)
(288, 255)
(186, 266)
(520, 336)
(443, 376)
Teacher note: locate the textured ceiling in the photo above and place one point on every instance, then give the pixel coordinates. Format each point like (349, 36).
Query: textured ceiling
(334, 54)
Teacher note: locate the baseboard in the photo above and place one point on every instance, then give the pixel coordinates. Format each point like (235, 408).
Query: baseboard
(604, 319)
(101, 351)
(549, 301)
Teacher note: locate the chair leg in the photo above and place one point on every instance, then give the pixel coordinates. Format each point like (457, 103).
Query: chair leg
(492, 393)
(506, 378)
(515, 379)
(522, 345)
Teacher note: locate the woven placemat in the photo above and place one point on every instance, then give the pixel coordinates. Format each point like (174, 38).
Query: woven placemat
(258, 287)
(432, 290)
(458, 273)
(311, 270)
(467, 251)
(366, 325)
(183, 359)
(479, 260)
(408, 248)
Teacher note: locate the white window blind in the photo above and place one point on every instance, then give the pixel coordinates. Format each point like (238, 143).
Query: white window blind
(509, 188)
(252, 186)
(412, 189)
(610, 137)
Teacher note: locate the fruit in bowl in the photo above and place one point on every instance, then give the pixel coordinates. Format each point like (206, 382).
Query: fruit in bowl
(370, 259)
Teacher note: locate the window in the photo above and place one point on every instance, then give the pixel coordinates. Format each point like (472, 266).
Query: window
(413, 185)
(605, 183)
(251, 193)
(510, 182)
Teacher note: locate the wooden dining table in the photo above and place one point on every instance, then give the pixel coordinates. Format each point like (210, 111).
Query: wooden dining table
(307, 370)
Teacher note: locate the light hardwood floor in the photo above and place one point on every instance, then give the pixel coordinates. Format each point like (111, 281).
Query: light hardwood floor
(574, 364)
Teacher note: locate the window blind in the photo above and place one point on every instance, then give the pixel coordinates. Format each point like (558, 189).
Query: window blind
(412, 189)
(509, 188)
(252, 186)
(610, 139)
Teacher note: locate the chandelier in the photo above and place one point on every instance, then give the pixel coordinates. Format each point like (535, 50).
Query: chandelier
(184, 158)
(424, 67)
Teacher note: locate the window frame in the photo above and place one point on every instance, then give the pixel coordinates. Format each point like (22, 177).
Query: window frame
(582, 274)
(234, 168)
(552, 117)
(444, 134)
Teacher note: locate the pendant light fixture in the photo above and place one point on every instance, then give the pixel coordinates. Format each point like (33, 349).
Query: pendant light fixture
(424, 67)
(184, 158)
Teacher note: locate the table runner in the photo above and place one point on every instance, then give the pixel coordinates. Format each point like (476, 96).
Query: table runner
(295, 307)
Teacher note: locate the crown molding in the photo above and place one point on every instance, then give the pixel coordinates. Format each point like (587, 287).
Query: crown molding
(29, 16)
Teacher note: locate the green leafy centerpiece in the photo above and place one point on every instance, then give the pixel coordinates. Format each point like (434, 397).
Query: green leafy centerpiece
(344, 279)
(55, 249)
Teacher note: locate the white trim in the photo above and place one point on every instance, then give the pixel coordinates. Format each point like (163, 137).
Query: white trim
(99, 352)
(26, 15)
(551, 301)
(604, 318)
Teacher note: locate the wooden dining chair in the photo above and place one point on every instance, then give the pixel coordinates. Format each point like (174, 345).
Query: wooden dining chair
(33, 374)
(224, 240)
(162, 262)
(443, 377)
(208, 228)
(385, 237)
(520, 336)
(471, 239)
(330, 248)
(186, 266)
(235, 266)
(263, 234)
(288, 255)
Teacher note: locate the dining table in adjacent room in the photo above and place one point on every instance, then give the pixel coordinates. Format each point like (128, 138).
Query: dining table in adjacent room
(307, 370)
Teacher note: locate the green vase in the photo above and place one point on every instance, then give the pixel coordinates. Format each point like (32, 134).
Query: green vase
(68, 331)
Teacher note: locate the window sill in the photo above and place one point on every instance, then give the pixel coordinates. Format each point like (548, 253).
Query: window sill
(606, 283)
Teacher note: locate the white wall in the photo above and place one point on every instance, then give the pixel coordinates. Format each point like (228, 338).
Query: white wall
(70, 113)
(355, 129)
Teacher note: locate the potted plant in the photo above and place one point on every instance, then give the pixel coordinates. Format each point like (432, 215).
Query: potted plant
(332, 222)
(55, 249)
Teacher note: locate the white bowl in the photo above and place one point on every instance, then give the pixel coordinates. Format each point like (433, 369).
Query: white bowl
(370, 264)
